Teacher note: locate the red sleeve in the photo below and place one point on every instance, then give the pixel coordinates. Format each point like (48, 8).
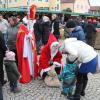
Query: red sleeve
(44, 59)
(58, 58)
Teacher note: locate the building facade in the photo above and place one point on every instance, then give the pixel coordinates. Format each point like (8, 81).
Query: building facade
(95, 9)
(76, 5)
(41, 4)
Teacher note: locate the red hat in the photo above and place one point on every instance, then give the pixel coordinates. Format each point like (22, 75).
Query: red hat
(32, 12)
(51, 39)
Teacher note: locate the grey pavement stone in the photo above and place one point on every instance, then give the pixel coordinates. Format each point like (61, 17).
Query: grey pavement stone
(37, 90)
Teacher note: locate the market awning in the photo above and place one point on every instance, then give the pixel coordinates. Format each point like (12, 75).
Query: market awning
(46, 11)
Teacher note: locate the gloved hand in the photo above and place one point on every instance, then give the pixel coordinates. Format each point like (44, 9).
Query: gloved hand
(52, 72)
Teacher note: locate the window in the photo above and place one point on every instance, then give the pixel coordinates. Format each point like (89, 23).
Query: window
(57, 6)
(81, 6)
(39, 0)
(77, 6)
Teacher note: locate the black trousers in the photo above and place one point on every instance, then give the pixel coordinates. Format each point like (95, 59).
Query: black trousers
(81, 83)
(81, 77)
(1, 94)
(1, 70)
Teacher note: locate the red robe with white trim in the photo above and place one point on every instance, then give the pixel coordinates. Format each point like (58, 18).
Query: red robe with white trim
(27, 56)
(23, 64)
(45, 57)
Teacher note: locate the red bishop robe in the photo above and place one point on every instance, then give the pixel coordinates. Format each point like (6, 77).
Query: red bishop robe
(23, 64)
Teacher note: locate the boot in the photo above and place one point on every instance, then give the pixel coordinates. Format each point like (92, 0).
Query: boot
(78, 90)
(17, 89)
(11, 87)
(83, 89)
(14, 87)
(69, 96)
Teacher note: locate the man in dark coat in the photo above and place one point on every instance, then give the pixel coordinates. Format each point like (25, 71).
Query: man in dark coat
(45, 29)
(75, 31)
(55, 26)
(38, 34)
(2, 54)
(90, 31)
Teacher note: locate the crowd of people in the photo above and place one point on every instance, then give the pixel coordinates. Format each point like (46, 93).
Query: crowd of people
(79, 44)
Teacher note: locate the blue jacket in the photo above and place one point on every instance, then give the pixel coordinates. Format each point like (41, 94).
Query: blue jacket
(78, 33)
(68, 74)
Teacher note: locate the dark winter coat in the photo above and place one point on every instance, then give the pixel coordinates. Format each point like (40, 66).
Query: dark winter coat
(90, 32)
(3, 47)
(56, 32)
(38, 30)
(45, 32)
(12, 71)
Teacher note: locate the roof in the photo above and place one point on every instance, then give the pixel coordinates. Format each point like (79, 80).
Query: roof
(67, 1)
(12, 9)
(96, 8)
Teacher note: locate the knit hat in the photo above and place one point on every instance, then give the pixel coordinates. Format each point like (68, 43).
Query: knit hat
(9, 56)
(71, 24)
(25, 20)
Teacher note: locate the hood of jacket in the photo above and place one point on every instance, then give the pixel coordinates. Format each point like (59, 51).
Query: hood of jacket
(77, 29)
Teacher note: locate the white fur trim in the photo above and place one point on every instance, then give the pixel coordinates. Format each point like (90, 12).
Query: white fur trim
(44, 70)
(68, 40)
(58, 64)
(54, 43)
(53, 49)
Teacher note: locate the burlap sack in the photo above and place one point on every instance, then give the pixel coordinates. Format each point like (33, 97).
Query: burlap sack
(52, 81)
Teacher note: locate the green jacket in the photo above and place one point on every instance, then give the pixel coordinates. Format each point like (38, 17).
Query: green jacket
(12, 70)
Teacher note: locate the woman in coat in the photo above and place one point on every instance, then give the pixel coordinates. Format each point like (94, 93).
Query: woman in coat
(87, 58)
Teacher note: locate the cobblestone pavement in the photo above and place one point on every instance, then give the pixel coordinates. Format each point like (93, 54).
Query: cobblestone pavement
(37, 90)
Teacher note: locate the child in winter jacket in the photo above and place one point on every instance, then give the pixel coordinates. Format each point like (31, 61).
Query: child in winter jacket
(68, 78)
(12, 71)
